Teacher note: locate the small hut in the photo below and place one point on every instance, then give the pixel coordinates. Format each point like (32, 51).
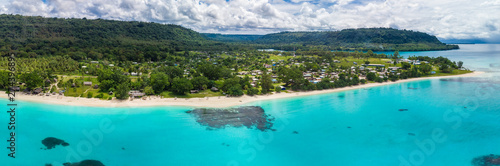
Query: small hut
(135, 93)
(15, 88)
(37, 91)
(214, 89)
(87, 83)
(96, 86)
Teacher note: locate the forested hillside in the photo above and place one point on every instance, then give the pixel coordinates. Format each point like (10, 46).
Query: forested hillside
(97, 39)
(364, 39)
(231, 38)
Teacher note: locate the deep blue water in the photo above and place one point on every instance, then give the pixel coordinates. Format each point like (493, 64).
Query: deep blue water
(447, 122)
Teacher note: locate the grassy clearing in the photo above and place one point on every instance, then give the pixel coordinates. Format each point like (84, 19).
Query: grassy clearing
(277, 58)
(454, 72)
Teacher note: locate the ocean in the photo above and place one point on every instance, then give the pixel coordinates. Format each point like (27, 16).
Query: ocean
(431, 122)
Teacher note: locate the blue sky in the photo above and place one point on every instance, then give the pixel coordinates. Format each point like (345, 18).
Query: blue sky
(447, 19)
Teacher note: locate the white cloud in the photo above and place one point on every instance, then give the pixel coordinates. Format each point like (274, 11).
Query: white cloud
(444, 18)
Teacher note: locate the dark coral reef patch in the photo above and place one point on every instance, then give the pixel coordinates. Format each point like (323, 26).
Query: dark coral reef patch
(51, 142)
(487, 160)
(248, 116)
(85, 163)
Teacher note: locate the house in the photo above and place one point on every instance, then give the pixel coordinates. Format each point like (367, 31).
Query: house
(87, 83)
(274, 81)
(15, 88)
(83, 67)
(362, 68)
(133, 74)
(94, 61)
(111, 65)
(136, 93)
(433, 72)
(394, 68)
(282, 88)
(354, 63)
(336, 61)
(376, 65)
(96, 86)
(37, 91)
(194, 91)
(135, 63)
(214, 89)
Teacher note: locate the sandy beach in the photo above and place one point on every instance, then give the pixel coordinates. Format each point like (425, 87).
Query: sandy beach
(214, 102)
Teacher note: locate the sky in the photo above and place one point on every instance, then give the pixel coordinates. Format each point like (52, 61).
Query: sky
(447, 19)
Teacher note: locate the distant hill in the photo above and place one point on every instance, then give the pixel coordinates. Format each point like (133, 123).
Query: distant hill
(376, 39)
(231, 38)
(364, 38)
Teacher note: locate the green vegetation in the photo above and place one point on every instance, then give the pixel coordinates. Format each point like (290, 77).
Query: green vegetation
(105, 59)
(85, 39)
(377, 39)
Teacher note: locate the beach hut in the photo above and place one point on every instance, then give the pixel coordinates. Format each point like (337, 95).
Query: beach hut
(37, 91)
(15, 88)
(135, 93)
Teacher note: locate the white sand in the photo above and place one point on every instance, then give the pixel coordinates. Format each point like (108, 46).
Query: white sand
(215, 102)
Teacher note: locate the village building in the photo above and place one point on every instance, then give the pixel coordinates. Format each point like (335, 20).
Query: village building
(135, 93)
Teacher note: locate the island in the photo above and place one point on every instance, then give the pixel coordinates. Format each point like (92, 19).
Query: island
(147, 64)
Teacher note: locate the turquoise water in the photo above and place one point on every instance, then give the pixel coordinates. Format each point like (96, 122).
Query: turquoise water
(448, 122)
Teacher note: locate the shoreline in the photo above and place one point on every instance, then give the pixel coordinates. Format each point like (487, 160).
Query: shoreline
(210, 102)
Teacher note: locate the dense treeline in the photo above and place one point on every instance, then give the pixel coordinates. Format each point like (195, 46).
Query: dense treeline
(31, 37)
(231, 38)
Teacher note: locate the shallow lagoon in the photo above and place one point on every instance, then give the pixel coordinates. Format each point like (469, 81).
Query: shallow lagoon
(447, 122)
